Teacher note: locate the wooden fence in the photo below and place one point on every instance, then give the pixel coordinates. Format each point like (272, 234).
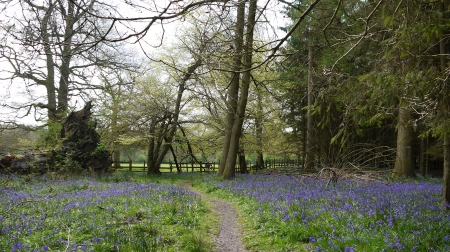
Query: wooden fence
(202, 167)
(274, 163)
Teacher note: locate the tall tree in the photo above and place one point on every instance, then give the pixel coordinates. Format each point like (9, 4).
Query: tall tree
(310, 134)
(46, 45)
(306, 52)
(244, 90)
(444, 9)
(228, 159)
(404, 165)
(259, 124)
(117, 86)
(155, 157)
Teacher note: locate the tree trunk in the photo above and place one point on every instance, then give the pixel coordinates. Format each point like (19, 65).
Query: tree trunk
(153, 168)
(63, 89)
(443, 51)
(404, 165)
(310, 136)
(50, 65)
(232, 97)
(174, 122)
(446, 180)
(114, 131)
(116, 159)
(159, 155)
(259, 131)
(422, 158)
(242, 162)
(242, 103)
(175, 159)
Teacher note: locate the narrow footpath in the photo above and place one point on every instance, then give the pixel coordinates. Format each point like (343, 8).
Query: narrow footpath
(229, 238)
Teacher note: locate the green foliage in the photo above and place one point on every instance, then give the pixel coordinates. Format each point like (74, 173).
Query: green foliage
(195, 242)
(141, 158)
(68, 164)
(92, 124)
(50, 135)
(99, 151)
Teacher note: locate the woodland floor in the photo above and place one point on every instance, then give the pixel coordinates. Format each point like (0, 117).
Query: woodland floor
(228, 238)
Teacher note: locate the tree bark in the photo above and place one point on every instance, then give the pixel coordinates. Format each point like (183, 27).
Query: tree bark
(233, 92)
(153, 168)
(50, 64)
(242, 103)
(404, 165)
(446, 179)
(114, 131)
(423, 160)
(259, 131)
(63, 89)
(242, 162)
(443, 51)
(310, 137)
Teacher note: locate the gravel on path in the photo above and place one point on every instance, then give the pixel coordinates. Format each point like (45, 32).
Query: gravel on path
(229, 237)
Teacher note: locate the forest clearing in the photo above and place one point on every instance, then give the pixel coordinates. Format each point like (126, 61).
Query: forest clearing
(136, 212)
(204, 94)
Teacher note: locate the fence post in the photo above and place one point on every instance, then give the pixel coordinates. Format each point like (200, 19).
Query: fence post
(192, 165)
(130, 168)
(170, 163)
(143, 169)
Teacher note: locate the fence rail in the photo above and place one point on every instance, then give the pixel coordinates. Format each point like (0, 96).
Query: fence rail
(201, 167)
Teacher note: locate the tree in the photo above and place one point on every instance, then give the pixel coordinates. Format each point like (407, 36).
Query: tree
(444, 8)
(306, 52)
(164, 94)
(237, 103)
(310, 136)
(47, 47)
(259, 125)
(404, 165)
(408, 70)
(148, 111)
(232, 98)
(117, 86)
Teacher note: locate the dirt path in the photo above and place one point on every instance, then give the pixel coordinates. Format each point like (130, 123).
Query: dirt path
(229, 238)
